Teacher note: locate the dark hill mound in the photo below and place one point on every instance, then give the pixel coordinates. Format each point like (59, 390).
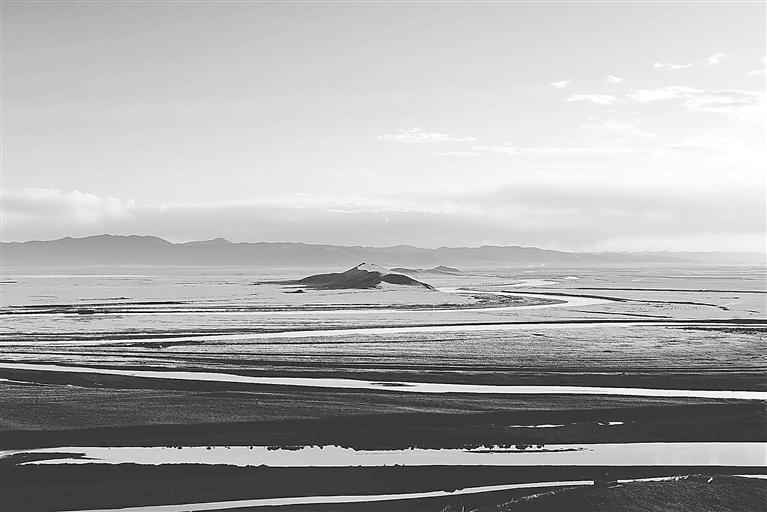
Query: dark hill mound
(362, 276)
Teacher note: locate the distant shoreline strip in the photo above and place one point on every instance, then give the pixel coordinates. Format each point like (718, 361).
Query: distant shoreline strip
(394, 329)
(550, 301)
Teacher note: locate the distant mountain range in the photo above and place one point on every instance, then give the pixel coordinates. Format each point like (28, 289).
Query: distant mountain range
(152, 250)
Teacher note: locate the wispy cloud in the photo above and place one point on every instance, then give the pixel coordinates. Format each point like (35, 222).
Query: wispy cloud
(759, 68)
(663, 93)
(584, 211)
(735, 103)
(36, 204)
(715, 59)
(708, 144)
(597, 99)
(509, 149)
(620, 128)
(635, 116)
(670, 65)
(613, 79)
(457, 153)
(417, 136)
(561, 84)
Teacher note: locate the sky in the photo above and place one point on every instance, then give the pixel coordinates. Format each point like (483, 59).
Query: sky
(574, 126)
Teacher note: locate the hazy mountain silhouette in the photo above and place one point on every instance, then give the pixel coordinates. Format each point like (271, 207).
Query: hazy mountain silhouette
(152, 250)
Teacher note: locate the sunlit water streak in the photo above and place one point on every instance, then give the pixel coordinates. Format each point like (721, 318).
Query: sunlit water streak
(313, 500)
(392, 386)
(309, 500)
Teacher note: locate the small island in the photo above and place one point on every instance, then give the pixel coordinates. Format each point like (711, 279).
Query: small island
(364, 276)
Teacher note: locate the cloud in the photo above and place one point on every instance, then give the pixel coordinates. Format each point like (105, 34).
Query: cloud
(632, 208)
(576, 210)
(456, 153)
(613, 79)
(597, 99)
(758, 65)
(52, 206)
(620, 128)
(729, 147)
(626, 112)
(509, 149)
(670, 65)
(738, 104)
(715, 59)
(663, 93)
(561, 84)
(416, 136)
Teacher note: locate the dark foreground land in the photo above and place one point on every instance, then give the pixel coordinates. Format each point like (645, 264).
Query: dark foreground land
(48, 409)
(82, 487)
(702, 494)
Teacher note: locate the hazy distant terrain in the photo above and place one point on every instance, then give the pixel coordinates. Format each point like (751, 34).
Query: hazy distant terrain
(151, 250)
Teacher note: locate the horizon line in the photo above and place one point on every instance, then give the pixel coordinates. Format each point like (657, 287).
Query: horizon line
(101, 235)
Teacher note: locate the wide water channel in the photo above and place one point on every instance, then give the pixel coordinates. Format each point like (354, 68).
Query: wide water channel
(616, 454)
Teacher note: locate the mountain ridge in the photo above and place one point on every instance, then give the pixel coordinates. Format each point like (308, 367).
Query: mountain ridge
(152, 250)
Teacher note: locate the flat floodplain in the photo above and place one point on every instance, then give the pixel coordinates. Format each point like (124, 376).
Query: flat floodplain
(90, 359)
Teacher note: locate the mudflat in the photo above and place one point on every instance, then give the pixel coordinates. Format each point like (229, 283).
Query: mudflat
(110, 378)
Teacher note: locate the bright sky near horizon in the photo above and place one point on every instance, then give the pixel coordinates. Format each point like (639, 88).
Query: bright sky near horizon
(576, 126)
